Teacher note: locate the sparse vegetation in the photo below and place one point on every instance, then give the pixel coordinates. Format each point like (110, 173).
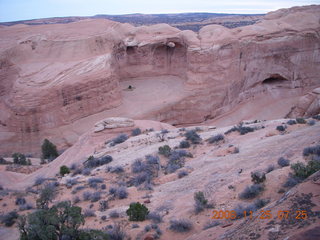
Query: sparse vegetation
(193, 136)
(301, 120)
(281, 128)
(291, 122)
(270, 168)
(182, 173)
(176, 160)
(180, 225)
(89, 213)
(64, 170)
(119, 192)
(114, 214)
(241, 129)
(184, 144)
(49, 150)
(86, 196)
(93, 182)
(216, 138)
(303, 171)
(283, 162)
(136, 132)
(96, 162)
(47, 194)
(165, 150)
(240, 209)
(251, 191)
(119, 139)
(311, 122)
(312, 152)
(20, 201)
(19, 158)
(9, 219)
(200, 202)
(291, 181)
(258, 177)
(116, 169)
(162, 135)
(317, 117)
(116, 232)
(155, 217)
(137, 212)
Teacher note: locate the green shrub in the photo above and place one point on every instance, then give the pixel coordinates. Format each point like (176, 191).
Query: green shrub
(64, 170)
(19, 158)
(200, 201)
(303, 171)
(165, 150)
(137, 212)
(49, 150)
(301, 120)
(47, 194)
(193, 137)
(251, 191)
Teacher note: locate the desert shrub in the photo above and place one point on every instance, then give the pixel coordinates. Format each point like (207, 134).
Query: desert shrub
(49, 150)
(96, 162)
(313, 151)
(147, 228)
(47, 194)
(19, 158)
(114, 214)
(20, 201)
(311, 122)
(79, 188)
(103, 187)
(76, 199)
(317, 117)
(89, 213)
(64, 170)
(216, 138)
(200, 201)
(260, 203)
(258, 177)
(176, 160)
(119, 139)
(138, 166)
(141, 178)
(9, 219)
(184, 144)
(26, 206)
(48, 224)
(39, 181)
(3, 161)
(291, 181)
(116, 233)
(165, 150)
(96, 196)
(162, 135)
(137, 212)
(115, 169)
(282, 162)
(270, 168)
(303, 171)
(103, 205)
(150, 159)
(241, 129)
(87, 196)
(193, 137)
(119, 192)
(71, 182)
(94, 181)
(86, 171)
(210, 224)
(155, 217)
(300, 120)
(136, 132)
(281, 128)
(135, 225)
(182, 173)
(291, 122)
(180, 225)
(251, 191)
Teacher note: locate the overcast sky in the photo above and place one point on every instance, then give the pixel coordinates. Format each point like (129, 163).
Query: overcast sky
(12, 10)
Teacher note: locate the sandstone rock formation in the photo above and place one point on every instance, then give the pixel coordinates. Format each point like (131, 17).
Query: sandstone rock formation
(56, 81)
(110, 123)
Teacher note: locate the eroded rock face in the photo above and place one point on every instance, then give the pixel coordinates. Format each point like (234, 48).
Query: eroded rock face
(54, 78)
(111, 123)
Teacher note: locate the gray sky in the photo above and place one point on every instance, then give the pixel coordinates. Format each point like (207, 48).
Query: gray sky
(12, 10)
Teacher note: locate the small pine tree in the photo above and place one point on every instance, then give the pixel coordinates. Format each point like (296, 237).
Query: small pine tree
(19, 158)
(49, 150)
(137, 212)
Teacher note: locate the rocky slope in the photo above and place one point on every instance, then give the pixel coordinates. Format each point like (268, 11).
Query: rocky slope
(58, 80)
(221, 170)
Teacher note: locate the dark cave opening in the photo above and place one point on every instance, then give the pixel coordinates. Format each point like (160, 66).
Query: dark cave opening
(274, 79)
